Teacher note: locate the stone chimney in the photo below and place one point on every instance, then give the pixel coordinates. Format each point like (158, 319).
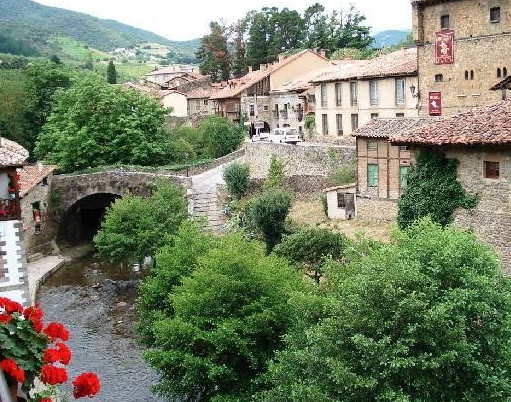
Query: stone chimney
(322, 53)
(262, 67)
(249, 69)
(282, 57)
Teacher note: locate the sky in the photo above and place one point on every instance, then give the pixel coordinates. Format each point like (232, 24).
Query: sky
(183, 20)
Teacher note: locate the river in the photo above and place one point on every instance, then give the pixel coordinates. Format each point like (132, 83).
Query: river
(95, 301)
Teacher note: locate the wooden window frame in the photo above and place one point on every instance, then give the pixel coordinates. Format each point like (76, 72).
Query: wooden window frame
(338, 94)
(374, 147)
(403, 168)
(324, 124)
(324, 95)
(495, 19)
(371, 183)
(354, 119)
(341, 200)
(400, 101)
(373, 100)
(491, 170)
(443, 19)
(338, 123)
(353, 93)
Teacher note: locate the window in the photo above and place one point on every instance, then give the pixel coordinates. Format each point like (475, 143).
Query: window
(354, 122)
(197, 105)
(266, 108)
(504, 72)
(400, 91)
(338, 122)
(374, 115)
(491, 170)
(404, 148)
(353, 93)
(466, 75)
(499, 73)
(445, 22)
(44, 182)
(372, 175)
(372, 145)
(400, 115)
(471, 74)
(373, 92)
(251, 110)
(338, 94)
(341, 200)
(324, 100)
(403, 176)
(324, 121)
(205, 102)
(439, 78)
(495, 15)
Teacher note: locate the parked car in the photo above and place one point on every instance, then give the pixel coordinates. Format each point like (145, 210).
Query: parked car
(288, 135)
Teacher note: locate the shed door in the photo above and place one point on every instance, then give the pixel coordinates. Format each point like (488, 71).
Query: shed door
(350, 206)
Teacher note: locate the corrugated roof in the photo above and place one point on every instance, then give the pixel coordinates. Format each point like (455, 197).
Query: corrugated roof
(386, 127)
(32, 175)
(485, 125)
(400, 63)
(12, 153)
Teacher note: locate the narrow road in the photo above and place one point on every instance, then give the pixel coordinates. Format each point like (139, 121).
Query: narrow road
(206, 182)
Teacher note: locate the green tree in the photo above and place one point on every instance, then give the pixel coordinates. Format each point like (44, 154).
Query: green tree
(89, 64)
(425, 318)
(309, 248)
(268, 212)
(257, 43)
(226, 323)
(237, 178)
(433, 189)
(239, 62)
(318, 31)
(349, 31)
(214, 55)
(276, 173)
(97, 124)
(223, 136)
(286, 32)
(111, 73)
(135, 227)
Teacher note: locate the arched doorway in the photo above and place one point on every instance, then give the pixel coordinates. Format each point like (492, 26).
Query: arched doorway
(82, 220)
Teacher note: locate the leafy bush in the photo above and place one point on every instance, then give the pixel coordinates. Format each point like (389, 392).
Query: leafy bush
(237, 178)
(345, 174)
(324, 203)
(268, 212)
(135, 227)
(224, 136)
(425, 318)
(182, 151)
(276, 173)
(223, 323)
(309, 248)
(433, 189)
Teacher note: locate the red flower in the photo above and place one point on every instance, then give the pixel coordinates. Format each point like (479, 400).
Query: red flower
(53, 375)
(35, 315)
(10, 367)
(86, 384)
(64, 353)
(56, 331)
(5, 318)
(45, 400)
(10, 306)
(51, 356)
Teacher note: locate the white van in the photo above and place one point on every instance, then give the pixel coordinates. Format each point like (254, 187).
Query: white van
(288, 135)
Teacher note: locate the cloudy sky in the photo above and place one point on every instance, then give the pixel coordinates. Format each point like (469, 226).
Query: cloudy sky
(182, 20)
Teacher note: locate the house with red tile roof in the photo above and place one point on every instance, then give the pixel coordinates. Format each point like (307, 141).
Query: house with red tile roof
(480, 139)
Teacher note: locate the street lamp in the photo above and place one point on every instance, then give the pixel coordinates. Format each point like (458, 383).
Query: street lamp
(412, 90)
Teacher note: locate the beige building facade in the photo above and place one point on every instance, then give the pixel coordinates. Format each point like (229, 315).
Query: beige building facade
(481, 44)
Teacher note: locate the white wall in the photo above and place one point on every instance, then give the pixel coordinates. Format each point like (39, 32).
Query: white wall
(178, 103)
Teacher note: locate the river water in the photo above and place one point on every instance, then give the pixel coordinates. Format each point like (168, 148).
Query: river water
(95, 301)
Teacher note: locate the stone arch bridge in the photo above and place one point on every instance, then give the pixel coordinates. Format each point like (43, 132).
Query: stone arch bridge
(78, 201)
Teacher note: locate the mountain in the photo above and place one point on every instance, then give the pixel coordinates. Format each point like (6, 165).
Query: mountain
(97, 33)
(389, 38)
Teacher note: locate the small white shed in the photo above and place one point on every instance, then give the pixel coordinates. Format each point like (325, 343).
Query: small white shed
(341, 201)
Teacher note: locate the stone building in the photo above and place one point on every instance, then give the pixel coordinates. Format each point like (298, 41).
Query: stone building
(382, 168)
(480, 140)
(361, 90)
(250, 94)
(13, 268)
(463, 51)
(35, 181)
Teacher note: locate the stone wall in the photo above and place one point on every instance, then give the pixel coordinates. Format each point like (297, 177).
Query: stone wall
(376, 209)
(310, 160)
(308, 187)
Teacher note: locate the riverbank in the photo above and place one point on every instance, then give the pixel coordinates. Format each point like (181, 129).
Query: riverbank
(40, 270)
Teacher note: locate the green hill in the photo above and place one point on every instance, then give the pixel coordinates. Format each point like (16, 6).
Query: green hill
(29, 24)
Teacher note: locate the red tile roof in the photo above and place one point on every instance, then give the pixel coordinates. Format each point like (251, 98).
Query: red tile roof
(396, 64)
(485, 125)
(303, 82)
(32, 175)
(12, 153)
(386, 127)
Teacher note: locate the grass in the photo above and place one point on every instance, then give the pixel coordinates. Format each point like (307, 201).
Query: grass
(75, 50)
(311, 213)
(126, 71)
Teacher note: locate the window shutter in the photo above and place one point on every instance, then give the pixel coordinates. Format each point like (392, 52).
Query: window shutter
(403, 175)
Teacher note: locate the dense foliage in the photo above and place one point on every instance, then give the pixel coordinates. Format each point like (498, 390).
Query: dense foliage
(433, 189)
(237, 178)
(223, 323)
(276, 173)
(111, 73)
(97, 124)
(223, 136)
(268, 212)
(135, 227)
(425, 318)
(343, 175)
(309, 248)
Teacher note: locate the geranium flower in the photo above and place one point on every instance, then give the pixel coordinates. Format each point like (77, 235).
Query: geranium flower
(5, 318)
(51, 356)
(10, 306)
(35, 315)
(86, 384)
(10, 367)
(64, 353)
(45, 400)
(52, 375)
(56, 331)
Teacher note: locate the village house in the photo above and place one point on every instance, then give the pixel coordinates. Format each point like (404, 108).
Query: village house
(35, 181)
(166, 74)
(382, 168)
(361, 90)
(480, 139)
(13, 268)
(463, 51)
(250, 94)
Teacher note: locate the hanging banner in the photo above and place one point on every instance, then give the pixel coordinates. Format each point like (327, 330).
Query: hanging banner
(435, 103)
(444, 47)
